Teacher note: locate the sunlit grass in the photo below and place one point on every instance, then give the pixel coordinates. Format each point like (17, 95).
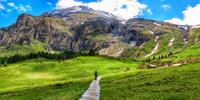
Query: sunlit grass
(174, 83)
(41, 72)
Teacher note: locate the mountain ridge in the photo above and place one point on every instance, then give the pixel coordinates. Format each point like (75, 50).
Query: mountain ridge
(81, 28)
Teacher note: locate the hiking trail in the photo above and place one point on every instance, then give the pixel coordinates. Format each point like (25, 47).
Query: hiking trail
(93, 92)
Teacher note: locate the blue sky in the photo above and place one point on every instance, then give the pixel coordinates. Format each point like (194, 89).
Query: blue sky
(174, 11)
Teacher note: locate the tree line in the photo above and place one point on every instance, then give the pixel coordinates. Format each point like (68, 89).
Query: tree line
(157, 58)
(61, 56)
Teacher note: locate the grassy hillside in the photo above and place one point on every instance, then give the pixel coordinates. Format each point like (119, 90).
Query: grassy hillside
(161, 36)
(189, 52)
(21, 49)
(175, 83)
(168, 83)
(38, 73)
(194, 35)
(71, 90)
(42, 79)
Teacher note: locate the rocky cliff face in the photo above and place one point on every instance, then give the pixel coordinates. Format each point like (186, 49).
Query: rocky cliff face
(80, 28)
(28, 29)
(56, 32)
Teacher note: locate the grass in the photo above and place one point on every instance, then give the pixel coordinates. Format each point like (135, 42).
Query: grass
(165, 40)
(42, 79)
(28, 75)
(21, 49)
(175, 83)
(163, 48)
(58, 91)
(99, 37)
(189, 52)
(135, 52)
(194, 35)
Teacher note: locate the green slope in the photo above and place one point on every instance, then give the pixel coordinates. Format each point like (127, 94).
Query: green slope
(172, 83)
(175, 83)
(40, 73)
(42, 79)
(58, 91)
(165, 35)
(21, 49)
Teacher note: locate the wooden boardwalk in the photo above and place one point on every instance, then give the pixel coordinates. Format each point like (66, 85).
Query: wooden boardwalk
(93, 92)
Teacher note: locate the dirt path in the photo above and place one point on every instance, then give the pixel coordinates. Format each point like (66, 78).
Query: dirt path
(155, 50)
(171, 42)
(93, 92)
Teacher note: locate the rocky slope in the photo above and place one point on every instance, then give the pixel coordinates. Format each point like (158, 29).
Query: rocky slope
(81, 28)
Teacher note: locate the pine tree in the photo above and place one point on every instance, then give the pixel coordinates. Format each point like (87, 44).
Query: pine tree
(154, 57)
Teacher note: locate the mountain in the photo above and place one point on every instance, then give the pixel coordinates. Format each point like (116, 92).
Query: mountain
(152, 59)
(80, 14)
(80, 28)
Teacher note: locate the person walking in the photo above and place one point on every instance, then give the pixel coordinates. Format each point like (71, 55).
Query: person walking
(95, 75)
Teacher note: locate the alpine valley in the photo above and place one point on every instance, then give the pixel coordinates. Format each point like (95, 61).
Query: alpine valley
(54, 56)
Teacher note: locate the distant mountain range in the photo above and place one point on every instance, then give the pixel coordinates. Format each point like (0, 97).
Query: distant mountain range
(81, 28)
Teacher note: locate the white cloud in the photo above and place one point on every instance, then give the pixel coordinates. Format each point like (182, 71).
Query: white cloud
(149, 11)
(20, 8)
(49, 3)
(166, 6)
(123, 8)
(68, 3)
(176, 21)
(25, 8)
(2, 7)
(191, 16)
(11, 4)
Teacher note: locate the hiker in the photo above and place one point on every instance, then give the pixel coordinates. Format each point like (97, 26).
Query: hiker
(95, 75)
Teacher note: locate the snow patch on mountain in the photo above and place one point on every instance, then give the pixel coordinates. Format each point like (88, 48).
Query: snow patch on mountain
(76, 9)
(157, 24)
(156, 39)
(133, 43)
(65, 13)
(197, 26)
(151, 32)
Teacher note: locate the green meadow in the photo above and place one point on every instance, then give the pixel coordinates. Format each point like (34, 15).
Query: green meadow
(21, 49)
(172, 83)
(49, 79)
(43, 79)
